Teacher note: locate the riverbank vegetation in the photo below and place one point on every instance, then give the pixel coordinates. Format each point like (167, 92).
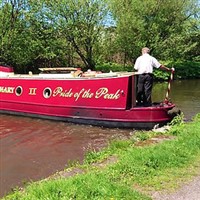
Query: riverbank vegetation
(131, 168)
(99, 34)
(183, 69)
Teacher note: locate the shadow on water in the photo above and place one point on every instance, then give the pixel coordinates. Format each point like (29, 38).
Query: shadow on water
(31, 149)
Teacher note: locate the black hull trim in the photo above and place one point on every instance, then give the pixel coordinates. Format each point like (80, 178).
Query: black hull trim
(101, 123)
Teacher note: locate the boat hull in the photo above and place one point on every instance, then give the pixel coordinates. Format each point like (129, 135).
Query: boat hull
(106, 102)
(138, 117)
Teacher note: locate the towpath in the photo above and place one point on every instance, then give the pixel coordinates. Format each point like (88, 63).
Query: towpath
(189, 191)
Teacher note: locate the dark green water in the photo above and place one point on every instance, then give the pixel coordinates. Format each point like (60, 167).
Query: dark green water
(184, 93)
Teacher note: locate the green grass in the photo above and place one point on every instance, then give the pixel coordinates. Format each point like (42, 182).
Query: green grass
(137, 168)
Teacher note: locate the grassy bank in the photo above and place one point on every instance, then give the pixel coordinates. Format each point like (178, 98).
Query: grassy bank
(127, 169)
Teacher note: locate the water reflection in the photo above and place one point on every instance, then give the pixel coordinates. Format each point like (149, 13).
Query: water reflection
(32, 148)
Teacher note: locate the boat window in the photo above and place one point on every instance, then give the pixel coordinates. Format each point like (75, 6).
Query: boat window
(18, 91)
(47, 92)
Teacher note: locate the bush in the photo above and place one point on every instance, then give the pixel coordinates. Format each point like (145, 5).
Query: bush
(186, 70)
(107, 67)
(183, 70)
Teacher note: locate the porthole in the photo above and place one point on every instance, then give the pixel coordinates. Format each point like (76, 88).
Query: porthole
(18, 90)
(47, 93)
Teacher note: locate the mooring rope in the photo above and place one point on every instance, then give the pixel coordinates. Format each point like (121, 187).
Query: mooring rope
(169, 86)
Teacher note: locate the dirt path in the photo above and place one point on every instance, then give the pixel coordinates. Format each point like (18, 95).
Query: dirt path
(190, 191)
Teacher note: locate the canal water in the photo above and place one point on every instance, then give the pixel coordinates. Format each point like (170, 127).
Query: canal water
(184, 93)
(32, 149)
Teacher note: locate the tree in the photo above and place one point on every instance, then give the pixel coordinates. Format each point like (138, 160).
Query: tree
(10, 14)
(164, 26)
(28, 39)
(80, 22)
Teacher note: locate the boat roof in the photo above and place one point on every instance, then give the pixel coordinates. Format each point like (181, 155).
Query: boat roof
(59, 69)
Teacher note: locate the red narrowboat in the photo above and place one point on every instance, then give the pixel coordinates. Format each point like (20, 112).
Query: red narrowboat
(103, 99)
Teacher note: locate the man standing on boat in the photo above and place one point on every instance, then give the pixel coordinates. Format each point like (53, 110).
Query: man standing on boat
(144, 65)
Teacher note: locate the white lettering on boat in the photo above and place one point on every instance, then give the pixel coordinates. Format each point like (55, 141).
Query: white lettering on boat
(9, 90)
(62, 93)
(78, 94)
(32, 91)
(104, 92)
(86, 93)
